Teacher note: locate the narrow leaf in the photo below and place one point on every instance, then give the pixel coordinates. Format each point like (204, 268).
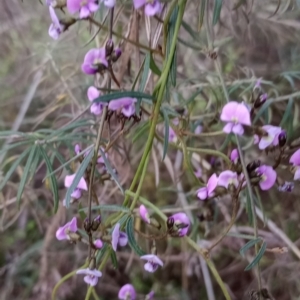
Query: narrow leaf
(101, 252)
(201, 14)
(166, 137)
(81, 212)
(26, 172)
(287, 116)
(113, 258)
(264, 107)
(78, 176)
(248, 245)
(110, 170)
(145, 73)
(188, 28)
(154, 68)
(114, 96)
(257, 257)
(217, 11)
(129, 228)
(105, 207)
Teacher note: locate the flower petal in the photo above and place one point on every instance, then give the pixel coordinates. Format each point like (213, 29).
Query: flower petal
(295, 158)
(92, 93)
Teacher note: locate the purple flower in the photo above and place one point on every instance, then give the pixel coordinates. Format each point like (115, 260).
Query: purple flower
(172, 135)
(236, 115)
(94, 60)
(295, 160)
(84, 7)
(91, 276)
(56, 28)
(118, 237)
(286, 187)
(144, 214)
(109, 3)
(234, 156)
(92, 94)
(152, 262)
(82, 185)
(98, 243)
(125, 104)
(182, 222)
(127, 292)
(271, 139)
(208, 191)
(198, 129)
(150, 296)
(151, 7)
(198, 173)
(227, 178)
(267, 177)
(62, 232)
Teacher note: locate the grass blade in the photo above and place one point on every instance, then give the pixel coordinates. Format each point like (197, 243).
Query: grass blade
(257, 257)
(114, 96)
(217, 11)
(248, 245)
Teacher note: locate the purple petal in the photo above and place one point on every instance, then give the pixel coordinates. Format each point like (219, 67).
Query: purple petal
(139, 3)
(110, 3)
(228, 177)
(212, 184)
(96, 108)
(127, 292)
(243, 114)
(153, 258)
(128, 110)
(82, 184)
(181, 219)
(297, 174)
(60, 233)
(54, 17)
(228, 128)
(150, 267)
(98, 243)
(234, 156)
(144, 214)
(229, 111)
(120, 103)
(238, 129)
(53, 32)
(202, 193)
(73, 6)
(295, 158)
(152, 9)
(115, 236)
(91, 280)
(84, 12)
(92, 93)
(198, 129)
(123, 239)
(76, 194)
(72, 225)
(77, 149)
(88, 69)
(268, 177)
(92, 6)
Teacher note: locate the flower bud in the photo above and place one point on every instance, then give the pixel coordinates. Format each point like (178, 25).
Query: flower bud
(98, 243)
(286, 187)
(144, 213)
(253, 165)
(170, 223)
(109, 47)
(95, 223)
(234, 156)
(87, 225)
(282, 138)
(260, 100)
(116, 54)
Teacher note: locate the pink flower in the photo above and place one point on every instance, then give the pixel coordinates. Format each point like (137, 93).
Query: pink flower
(127, 292)
(234, 156)
(98, 243)
(152, 262)
(286, 187)
(84, 7)
(267, 177)
(109, 3)
(77, 149)
(82, 185)
(56, 28)
(94, 61)
(144, 214)
(236, 115)
(118, 237)
(182, 223)
(125, 104)
(271, 139)
(295, 160)
(91, 276)
(198, 173)
(151, 7)
(62, 233)
(208, 191)
(93, 94)
(227, 178)
(150, 296)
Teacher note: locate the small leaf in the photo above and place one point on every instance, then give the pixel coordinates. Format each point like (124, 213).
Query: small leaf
(166, 137)
(217, 11)
(13, 167)
(188, 28)
(53, 181)
(145, 72)
(26, 171)
(110, 170)
(173, 69)
(201, 13)
(249, 208)
(129, 228)
(154, 68)
(113, 258)
(248, 245)
(287, 116)
(105, 207)
(115, 96)
(80, 172)
(101, 252)
(257, 257)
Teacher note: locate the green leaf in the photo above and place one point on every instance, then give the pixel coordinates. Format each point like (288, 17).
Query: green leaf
(101, 252)
(249, 208)
(80, 172)
(26, 171)
(110, 170)
(249, 244)
(201, 14)
(173, 68)
(81, 212)
(53, 181)
(115, 96)
(13, 167)
(145, 73)
(113, 258)
(154, 68)
(129, 228)
(217, 11)
(188, 28)
(105, 207)
(287, 116)
(14, 145)
(257, 257)
(166, 137)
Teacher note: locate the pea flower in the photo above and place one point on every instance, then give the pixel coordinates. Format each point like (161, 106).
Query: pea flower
(127, 292)
(150, 296)
(198, 129)
(271, 139)
(92, 94)
(172, 135)
(94, 61)
(98, 243)
(198, 173)
(208, 191)
(126, 105)
(84, 7)
(182, 223)
(286, 187)
(267, 177)
(151, 7)
(109, 3)
(234, 156)
(235, 114)
(56, 28)
(81, 186)
(295, 160)
(62, 233)
(91, 276)
(118, 237)
(227, 178)
(144, 214)
(152, 262)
